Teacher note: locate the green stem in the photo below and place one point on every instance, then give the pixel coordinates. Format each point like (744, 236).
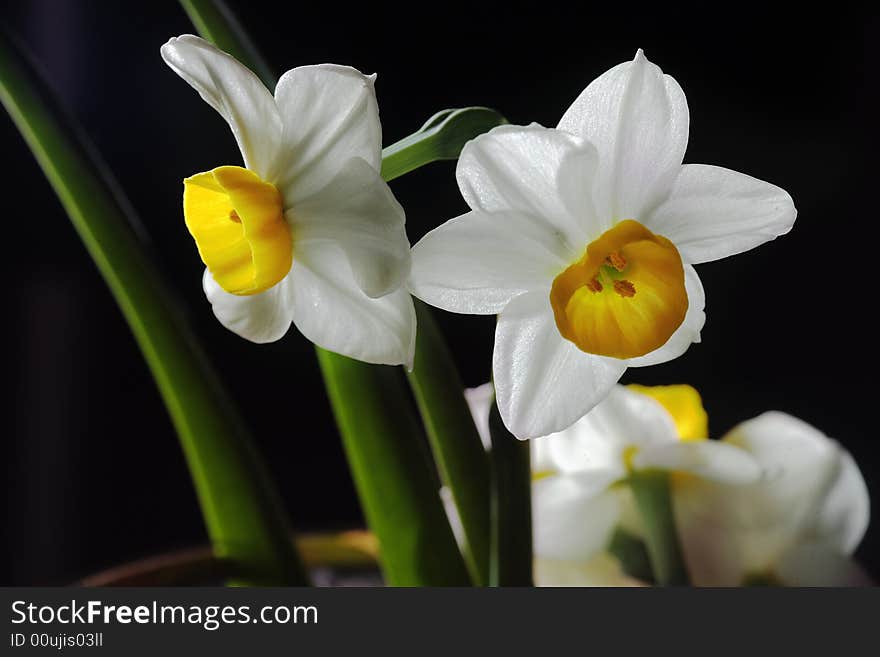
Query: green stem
(441, 138)
(632, 554)
(455, 442)
(511, 555)
(392, 472)
(654, 501)
(245, 520)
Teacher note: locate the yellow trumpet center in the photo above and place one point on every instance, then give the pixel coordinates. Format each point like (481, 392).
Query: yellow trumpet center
(237, 221)
(684, 405)
(625, 297)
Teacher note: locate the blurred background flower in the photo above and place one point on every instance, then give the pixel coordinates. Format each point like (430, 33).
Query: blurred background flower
(775, 501)
(798, 525)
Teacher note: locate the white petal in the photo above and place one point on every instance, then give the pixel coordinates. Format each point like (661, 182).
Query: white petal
(637, 118)
(709, 459)
(332, 311)
(631, 520)
(713, 536)
(357, 211)
(602, 570)
(573, 516)
(479, 401)
(236, 93)
(263, 317)
(543, 383)
(800, 464)
(330, 115)
(819, 564)
(536, 171)
(541, 455)
(731, 532)
(454, 517)
(843, 515)
(713, 213)
(478, 262)
(597, 441)
(582, 447)
(631, 418)
(689, 331)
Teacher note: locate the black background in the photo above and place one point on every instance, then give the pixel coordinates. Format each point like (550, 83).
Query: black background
(93, 472)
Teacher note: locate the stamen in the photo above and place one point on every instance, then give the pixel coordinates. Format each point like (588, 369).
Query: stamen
(624, 297)
(614, 259)
(624, 288)
(233, 216)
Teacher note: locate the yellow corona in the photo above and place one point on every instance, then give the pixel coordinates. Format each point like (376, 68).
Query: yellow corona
(625, 297)
(237, 220)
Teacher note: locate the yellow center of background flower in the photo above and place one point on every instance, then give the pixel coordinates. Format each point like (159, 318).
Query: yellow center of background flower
(237, 221)
(625, 297)
(684, 405)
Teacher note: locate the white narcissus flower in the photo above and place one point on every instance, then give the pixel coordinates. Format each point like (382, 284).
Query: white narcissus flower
(582, 240)
(308, 233)
(579, 496)
(798, 525)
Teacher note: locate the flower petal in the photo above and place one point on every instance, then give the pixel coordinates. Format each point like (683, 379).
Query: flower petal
(536, 171)
(844, 513)
(478, 262)
(236, 93)
(689, 331)
(331, 310)
(263, 317)
(601, 570)
(800, 465)
(598, 441)
(733, 532)
(330, 115)
(709, 459)
(713, 536)
(582, 447)
(544, 383)
(713, 213)
(637, 118)
(573, 516)
(479, 401)
(819, 564)
(684, 404)
(357, 211)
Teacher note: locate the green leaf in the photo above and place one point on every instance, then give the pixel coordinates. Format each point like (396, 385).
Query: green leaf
(392, 472)
(441, 138)
(245, 520)
(511, 556)
(654, 501)
(458, 451)
(632, 554)
(216, 23)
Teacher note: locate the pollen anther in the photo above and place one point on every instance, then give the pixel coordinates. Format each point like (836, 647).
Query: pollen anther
(616, 260)
(625, 296)
(625, 288)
